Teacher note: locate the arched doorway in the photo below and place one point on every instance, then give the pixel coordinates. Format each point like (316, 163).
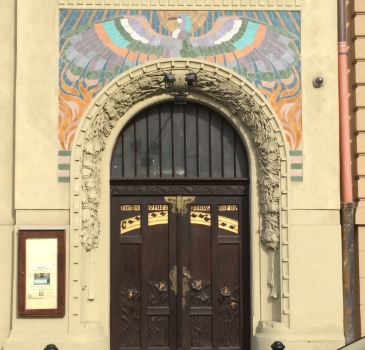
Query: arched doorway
(180, 238)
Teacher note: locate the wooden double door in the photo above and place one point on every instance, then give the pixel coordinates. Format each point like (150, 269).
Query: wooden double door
(180, 272)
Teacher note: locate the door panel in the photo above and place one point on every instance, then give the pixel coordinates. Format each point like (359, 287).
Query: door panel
(180, 272)
(160, 244)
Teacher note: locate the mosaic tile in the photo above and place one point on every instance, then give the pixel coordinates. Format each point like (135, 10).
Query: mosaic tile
(262, 46)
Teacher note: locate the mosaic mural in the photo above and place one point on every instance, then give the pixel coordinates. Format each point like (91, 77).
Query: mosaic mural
(98, 45)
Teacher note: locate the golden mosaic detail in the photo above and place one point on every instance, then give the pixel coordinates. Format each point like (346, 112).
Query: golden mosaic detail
(200, 207)
(130, 224)
(158, 218)
(130, 207)
(200, 218)
(228, 224)
(158, 207)
(198, 19)
(228, 207)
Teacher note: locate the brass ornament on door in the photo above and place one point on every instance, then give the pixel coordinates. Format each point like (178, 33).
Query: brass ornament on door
(179, 203)
(185, 284)
(187, 275)
(173, 279)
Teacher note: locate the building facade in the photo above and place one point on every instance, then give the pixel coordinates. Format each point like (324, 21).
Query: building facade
(247, 172)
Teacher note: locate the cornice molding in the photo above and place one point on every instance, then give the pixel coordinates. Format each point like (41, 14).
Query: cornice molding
(293, 5)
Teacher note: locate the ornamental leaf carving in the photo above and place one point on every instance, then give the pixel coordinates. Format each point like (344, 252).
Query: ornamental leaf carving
(219, 89)
(176, 189)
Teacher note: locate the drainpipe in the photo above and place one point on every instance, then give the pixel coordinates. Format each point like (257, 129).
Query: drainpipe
(347, 201)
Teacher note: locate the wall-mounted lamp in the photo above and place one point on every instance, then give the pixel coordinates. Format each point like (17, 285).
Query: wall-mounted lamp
(191, 78)
(169, 80)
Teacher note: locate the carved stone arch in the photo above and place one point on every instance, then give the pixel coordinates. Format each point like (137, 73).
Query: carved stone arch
(231, 92)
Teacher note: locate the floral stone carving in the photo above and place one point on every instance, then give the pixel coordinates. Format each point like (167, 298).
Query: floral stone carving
(216, 87)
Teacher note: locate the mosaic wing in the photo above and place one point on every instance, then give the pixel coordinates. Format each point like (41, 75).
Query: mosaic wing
(253, 49)
(107, 48)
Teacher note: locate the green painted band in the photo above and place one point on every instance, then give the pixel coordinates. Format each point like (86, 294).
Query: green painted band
(63, 166)
(296, 166)
(64, 153)
(63, 179)
(296, 178)
(296, 153)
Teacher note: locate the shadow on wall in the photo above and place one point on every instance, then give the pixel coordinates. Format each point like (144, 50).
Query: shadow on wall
(356, 345)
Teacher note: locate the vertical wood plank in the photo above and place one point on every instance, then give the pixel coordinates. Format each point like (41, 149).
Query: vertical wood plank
(172, 269)
(186, 268)
(144, 275)
(215, 276)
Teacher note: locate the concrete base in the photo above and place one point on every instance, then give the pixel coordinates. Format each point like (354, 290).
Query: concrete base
(3, 338)
(319, 339)
(87, 341)
(98, 341)
(260, 344)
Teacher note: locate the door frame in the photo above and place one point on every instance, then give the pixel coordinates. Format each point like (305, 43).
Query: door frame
(89, 268)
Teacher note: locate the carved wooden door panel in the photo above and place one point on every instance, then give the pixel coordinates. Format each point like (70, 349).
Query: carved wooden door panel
(180, 272)
(143, 261)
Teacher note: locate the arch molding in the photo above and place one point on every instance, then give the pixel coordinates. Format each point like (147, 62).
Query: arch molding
(226, 89)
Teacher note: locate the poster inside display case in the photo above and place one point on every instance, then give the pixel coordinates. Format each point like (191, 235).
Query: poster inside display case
(41, 273)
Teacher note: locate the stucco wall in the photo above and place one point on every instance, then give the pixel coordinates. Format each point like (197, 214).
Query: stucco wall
(313, 248)
(7, 47)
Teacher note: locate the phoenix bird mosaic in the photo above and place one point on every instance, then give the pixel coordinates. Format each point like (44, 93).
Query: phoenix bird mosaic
(96, 46)
(244, 45)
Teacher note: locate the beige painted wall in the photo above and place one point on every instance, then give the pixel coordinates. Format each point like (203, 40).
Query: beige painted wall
(315, 237)
(7, 76)
(319, 190)
(314, 232)
(37, 108)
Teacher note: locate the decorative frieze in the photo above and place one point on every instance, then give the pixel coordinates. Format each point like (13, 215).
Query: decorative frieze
(199, 4)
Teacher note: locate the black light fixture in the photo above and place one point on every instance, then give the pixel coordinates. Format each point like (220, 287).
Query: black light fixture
(191, 78)
(169, 80)
(179, 92)
(180, 96)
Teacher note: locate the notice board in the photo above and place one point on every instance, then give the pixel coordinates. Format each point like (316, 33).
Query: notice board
(41, 273)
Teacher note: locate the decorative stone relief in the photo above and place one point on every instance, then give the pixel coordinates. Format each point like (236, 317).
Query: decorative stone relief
(217, 88)
(216, 84)
(176, 190)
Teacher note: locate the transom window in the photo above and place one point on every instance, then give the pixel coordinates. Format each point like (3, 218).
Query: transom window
(179, 141)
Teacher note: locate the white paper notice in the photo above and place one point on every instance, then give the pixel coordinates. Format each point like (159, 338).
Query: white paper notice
(40, 275)
(41, 285)
(41, 267)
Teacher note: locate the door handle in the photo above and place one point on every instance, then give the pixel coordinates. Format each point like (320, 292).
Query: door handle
(187, 275)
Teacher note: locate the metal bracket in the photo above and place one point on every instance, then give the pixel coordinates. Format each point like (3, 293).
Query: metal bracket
(179, 203)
